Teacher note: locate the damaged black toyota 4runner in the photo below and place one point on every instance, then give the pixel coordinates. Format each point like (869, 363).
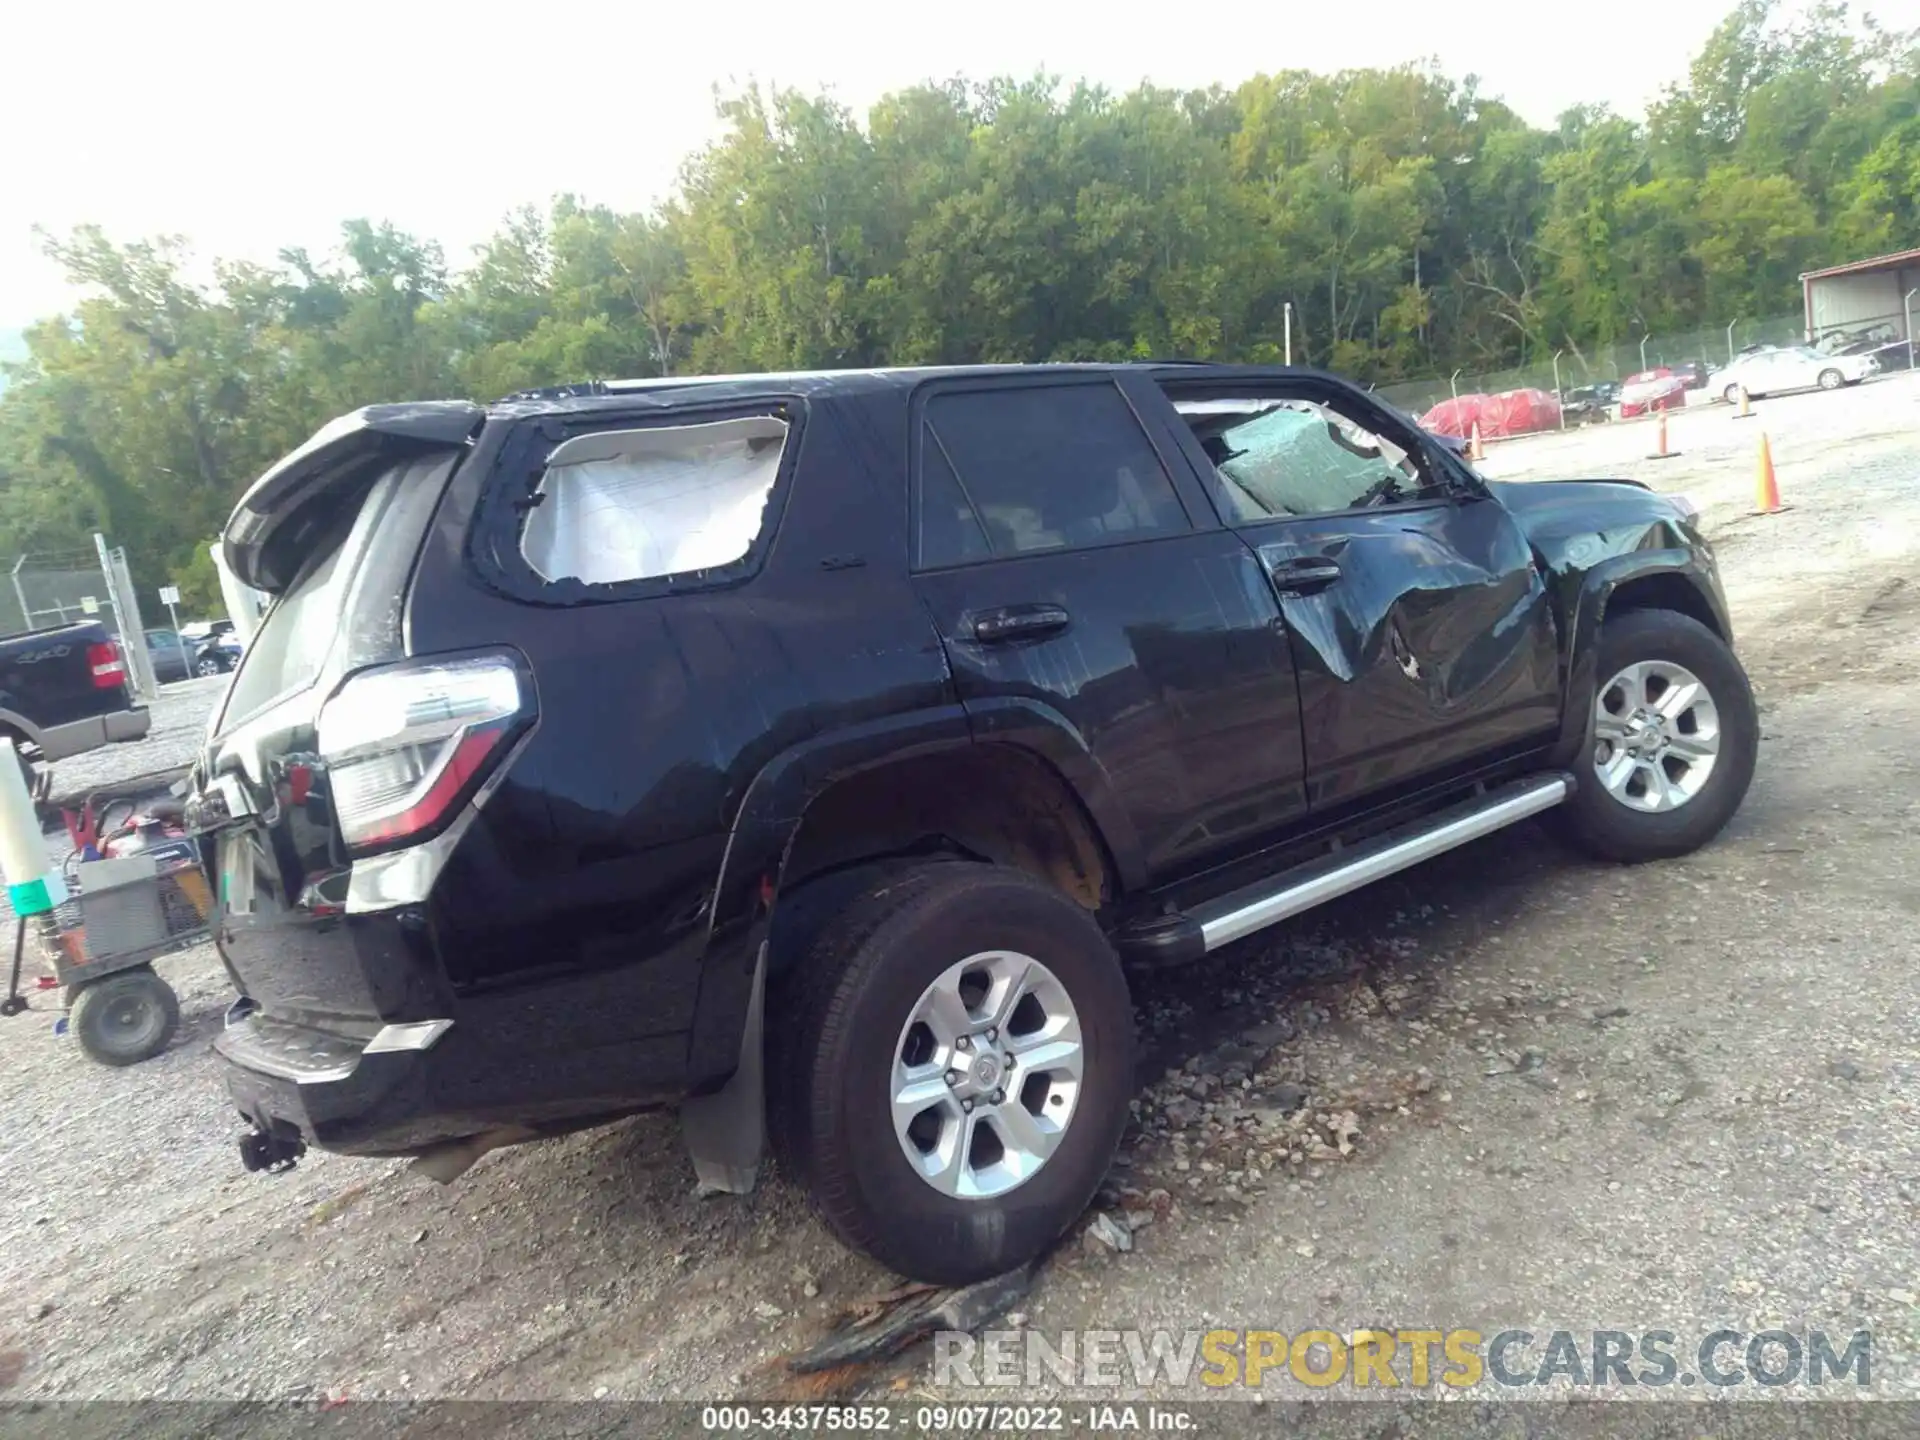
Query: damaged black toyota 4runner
(815, 753)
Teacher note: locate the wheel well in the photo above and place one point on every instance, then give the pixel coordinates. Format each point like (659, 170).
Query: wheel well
(1664, 592)
(995, 803)
(22, 742)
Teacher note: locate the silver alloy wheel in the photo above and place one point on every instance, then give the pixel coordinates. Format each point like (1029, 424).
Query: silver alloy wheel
(986, 1074)
(1656, 735)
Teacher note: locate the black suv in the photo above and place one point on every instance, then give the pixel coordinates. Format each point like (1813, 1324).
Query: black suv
(815, 752)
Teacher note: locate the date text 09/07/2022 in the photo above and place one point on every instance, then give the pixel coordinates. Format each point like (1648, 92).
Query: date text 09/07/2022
(941, 1419)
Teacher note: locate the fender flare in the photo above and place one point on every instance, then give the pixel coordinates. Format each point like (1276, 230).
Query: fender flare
(13, 720)
(776, 800)
(1597, 587)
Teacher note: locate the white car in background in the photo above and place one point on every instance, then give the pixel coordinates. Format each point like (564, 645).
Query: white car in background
(1769, 372)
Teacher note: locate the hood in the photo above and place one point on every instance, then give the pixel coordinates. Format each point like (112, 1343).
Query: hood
(1564, 518)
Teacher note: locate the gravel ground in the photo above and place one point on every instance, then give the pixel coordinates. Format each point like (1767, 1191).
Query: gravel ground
(1512, 1087)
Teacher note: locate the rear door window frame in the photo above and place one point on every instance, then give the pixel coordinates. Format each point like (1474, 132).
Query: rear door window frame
(1169, 462)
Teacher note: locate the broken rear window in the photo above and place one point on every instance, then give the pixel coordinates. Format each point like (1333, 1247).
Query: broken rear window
(623, 505)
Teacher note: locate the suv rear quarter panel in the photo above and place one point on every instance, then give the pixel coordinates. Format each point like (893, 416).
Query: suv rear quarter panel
(592, 867)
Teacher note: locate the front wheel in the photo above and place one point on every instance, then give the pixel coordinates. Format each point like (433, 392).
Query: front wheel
(1672, 743)
(125, 1018)
(207, 665)
(1831, 379)
(958, 1071)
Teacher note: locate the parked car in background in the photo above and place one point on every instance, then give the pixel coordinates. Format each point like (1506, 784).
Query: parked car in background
(1862, 341)
(200, 631)
(64, 692)
(172, 655)
(1897, 356)
(1800, 367)
(1588, 404)
(1651, 390)
(218, 655)
(1691, 374)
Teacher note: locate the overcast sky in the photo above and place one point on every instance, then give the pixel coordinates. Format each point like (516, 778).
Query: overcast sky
(249, 127)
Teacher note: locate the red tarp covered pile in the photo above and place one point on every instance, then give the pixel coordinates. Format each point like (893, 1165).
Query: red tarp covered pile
(1512, 412)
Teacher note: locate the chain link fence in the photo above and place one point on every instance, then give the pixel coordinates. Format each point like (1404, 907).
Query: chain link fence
(1575, 366)
(45, 590)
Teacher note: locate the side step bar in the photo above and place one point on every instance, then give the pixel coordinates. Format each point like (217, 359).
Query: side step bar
(1206, 927)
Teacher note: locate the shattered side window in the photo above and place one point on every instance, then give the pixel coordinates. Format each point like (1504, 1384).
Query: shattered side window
(625, 505)
(1298, 457)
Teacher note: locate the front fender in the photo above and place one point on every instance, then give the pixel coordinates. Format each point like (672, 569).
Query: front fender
(1588, 592)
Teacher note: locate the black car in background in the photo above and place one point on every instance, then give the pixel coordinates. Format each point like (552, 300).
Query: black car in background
(209, 648)
(1589, 404)
(816, 753)
(1899, 355)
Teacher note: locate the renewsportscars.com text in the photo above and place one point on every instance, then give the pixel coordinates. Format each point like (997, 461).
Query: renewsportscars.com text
(1378, 1359)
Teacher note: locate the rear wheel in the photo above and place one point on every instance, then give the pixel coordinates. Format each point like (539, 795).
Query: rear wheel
(957, 1074)
(125, 1018)
(1831, 379)
(1673, 740)
(1731, 394)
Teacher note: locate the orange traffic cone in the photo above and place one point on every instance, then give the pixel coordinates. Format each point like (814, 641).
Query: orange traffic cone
(1475, 451)
(1766, 489)
(1660, 451)
(1746, 405)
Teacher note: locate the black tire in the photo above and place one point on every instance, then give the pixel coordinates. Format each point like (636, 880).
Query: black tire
(1831, 379)
(207, 665)
(830, 1108)
(1613, 830)
(1731, 394)
(125, 1018)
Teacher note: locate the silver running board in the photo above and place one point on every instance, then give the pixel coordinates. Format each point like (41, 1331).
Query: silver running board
(1257, 906)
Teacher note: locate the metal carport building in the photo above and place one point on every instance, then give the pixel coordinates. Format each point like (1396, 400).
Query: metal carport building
(1862, 297)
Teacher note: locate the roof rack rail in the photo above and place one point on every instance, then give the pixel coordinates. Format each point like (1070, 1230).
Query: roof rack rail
(558, 392)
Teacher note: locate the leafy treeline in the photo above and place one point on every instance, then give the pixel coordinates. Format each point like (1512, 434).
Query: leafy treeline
(1412, 224)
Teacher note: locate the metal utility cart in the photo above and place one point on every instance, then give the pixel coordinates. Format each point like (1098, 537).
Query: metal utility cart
(122, 914)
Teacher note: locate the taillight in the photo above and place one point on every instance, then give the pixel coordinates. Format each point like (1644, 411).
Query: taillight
(406, 744)
(108, 668)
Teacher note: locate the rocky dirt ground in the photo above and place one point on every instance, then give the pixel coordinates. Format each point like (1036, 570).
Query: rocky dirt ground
(1510, 1088)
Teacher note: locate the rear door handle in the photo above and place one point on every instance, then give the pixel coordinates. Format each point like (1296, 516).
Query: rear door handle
(1019, 622)
(1304, 574)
